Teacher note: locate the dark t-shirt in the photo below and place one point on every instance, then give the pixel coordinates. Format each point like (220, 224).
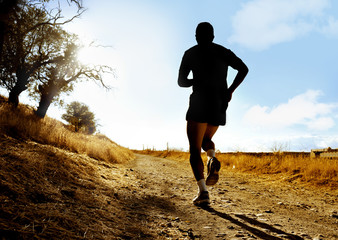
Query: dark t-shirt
(209, 65)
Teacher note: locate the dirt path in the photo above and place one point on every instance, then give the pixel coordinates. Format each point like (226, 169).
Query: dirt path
(242, 206)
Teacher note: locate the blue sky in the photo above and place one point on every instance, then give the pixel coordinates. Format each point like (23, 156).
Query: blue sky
(288, 100)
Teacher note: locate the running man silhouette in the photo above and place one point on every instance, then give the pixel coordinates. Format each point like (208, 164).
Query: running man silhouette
(208, 103)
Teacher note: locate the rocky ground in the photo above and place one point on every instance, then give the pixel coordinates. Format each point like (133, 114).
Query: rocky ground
(242, 206)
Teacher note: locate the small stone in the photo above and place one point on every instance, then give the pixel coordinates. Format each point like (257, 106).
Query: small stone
(239, 235)
(319, 237)
(304, 235)
(268, 211)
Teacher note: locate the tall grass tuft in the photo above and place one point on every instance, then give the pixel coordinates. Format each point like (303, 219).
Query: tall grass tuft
(21, 122)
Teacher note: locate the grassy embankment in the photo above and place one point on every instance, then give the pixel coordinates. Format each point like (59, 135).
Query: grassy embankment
(57, 184)
(288, 166)
(22, 123)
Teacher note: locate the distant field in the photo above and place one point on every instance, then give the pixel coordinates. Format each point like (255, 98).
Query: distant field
(291, 166)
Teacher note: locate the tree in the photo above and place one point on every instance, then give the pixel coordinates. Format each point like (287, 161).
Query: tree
(41, 56)
(33, 39)
(78, 115)
(8, 6)
(60, 76)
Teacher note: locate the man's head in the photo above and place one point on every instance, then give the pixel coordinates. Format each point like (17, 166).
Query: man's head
(204, 33)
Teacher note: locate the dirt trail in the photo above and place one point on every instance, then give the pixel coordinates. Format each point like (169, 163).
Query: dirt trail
(242, 206)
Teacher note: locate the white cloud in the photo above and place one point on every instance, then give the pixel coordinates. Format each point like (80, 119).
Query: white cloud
(263, 23)
(331, 29)
(322, 123)
(303, 109)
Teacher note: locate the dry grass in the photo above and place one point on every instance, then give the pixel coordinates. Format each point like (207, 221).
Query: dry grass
(22, 123)
(50, 193)
(289, 166)
(57, 184)
(317, 171)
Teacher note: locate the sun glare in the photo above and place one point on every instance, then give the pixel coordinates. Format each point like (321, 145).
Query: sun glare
(89, 55)
(100, 55)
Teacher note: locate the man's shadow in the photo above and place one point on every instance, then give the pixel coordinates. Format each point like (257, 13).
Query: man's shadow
(259, 233)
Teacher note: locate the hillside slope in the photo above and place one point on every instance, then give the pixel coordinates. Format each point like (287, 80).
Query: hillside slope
(48, 193)
(51, 193)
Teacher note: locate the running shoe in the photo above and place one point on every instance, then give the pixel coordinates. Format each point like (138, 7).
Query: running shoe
(213, 166)
(202, 199)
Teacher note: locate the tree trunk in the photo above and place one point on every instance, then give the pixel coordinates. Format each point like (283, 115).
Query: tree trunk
(44, 104)
(47, 96)
(77, 128)
(15, 92)
(45, 101)
(20, 86)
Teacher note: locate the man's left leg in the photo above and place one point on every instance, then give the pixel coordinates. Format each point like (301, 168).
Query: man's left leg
(196, 131)
(208, 145)
(213, 164)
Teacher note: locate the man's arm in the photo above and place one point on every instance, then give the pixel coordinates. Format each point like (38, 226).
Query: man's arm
(183, 80)
(241, 74)
(184, 71)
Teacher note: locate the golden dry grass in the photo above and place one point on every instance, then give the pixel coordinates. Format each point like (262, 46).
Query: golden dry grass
(290, 166)
(50, 193)
(57, 184)
(22, 123)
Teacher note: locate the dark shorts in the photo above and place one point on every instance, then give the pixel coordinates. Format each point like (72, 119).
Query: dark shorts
(205, 108)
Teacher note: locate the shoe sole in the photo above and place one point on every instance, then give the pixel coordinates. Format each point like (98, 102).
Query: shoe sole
(213, 176)
(202, 199)
(202, 202)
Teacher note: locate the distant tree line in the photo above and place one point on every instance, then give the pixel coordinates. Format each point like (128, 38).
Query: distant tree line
(38, 55)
